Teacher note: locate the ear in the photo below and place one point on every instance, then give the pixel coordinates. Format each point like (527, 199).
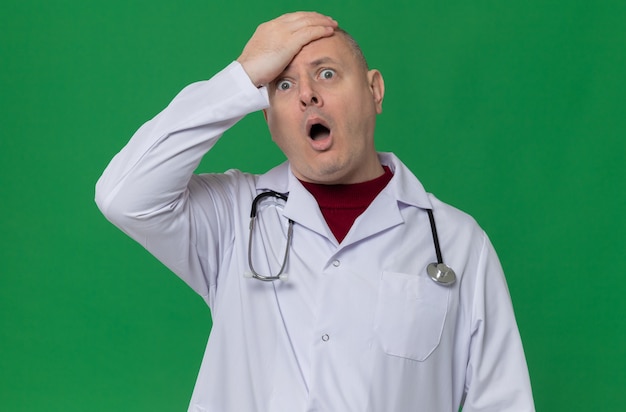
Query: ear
(377, 87)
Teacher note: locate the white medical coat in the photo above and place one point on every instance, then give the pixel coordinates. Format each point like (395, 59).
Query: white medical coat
(359, 326)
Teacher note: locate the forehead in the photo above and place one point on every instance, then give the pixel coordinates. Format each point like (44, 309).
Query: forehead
(327, 49)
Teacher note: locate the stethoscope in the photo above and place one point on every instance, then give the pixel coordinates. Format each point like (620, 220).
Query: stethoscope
(438, 271)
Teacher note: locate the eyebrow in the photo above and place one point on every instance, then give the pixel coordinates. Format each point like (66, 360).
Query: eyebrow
(321, 60)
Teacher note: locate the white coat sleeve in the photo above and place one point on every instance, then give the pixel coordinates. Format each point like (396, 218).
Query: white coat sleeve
(497, 377)
(149, 191)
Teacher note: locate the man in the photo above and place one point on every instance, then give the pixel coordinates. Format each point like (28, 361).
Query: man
(359, 325)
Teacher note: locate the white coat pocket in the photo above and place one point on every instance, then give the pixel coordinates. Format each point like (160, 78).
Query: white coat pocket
(410, 314)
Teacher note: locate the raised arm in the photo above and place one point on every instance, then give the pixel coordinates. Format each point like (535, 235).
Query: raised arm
(148, 191)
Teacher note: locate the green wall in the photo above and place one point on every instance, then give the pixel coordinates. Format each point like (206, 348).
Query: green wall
(513, 111)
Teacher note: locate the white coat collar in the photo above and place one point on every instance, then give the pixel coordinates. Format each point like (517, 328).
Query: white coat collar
(301, 207)
(404, 186)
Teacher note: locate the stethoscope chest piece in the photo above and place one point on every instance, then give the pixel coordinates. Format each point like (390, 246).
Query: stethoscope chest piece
(441, 273)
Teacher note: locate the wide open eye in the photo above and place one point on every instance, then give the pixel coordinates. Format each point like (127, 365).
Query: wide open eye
(327, 74)
(283, 85)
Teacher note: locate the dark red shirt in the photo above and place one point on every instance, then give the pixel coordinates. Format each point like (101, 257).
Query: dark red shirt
(342, 204)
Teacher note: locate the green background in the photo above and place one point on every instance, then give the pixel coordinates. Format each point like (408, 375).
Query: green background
(513, 111)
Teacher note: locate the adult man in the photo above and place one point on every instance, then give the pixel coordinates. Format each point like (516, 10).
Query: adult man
(359, 326)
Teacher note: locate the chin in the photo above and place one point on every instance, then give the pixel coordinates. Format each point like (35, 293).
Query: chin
(324, 168)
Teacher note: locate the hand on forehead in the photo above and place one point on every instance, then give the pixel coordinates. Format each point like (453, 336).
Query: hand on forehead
(275, 43)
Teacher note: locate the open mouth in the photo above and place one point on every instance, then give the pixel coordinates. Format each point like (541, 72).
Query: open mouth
(318, 131)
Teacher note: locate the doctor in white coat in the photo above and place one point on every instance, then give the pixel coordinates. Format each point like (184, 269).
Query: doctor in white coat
(359, 325)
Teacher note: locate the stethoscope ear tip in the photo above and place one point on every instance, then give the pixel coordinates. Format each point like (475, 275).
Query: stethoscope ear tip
(441, 273)
(284, 277)
(247, 275)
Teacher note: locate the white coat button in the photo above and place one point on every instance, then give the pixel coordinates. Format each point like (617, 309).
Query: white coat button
(336, 263)
(325, 337)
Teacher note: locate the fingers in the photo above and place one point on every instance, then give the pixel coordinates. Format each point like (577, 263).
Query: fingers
(303, 18)
(275, 43)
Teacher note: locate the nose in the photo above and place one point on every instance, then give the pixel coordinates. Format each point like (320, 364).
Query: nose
(308, 95)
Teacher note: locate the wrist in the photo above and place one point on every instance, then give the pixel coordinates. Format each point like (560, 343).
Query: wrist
(250, 72)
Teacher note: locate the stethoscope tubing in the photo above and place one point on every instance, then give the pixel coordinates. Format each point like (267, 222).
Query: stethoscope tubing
(439, 272)
(281, 275)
